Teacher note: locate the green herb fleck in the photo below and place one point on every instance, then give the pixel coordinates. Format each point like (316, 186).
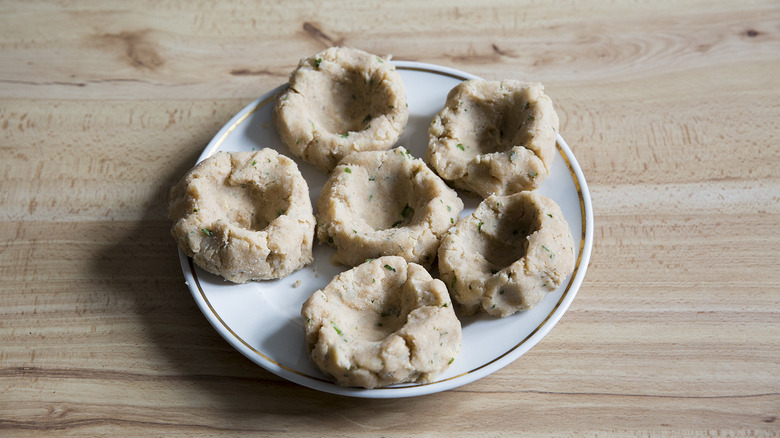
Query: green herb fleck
(317, 62)
(371, 196)
(460, 146)
(380, 60)
(479, 227)
(389, 268)
(548, 250)
(348, 170)
(452, 359)
(345, 135)
(391, 106)
(372, 178)
(532, 174)
(548, 214)
(406, 211)
(369, 260)
(367, 119)
(254, 162)
(338, 330)
(207, 232)
(526, 106)
(194, 210)
(452, 220)
(449, 208)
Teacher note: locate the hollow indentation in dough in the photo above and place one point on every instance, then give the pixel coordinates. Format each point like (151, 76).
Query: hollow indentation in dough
(341, 101)
(244, 215)
(509, 242)
(352, 100)
(386, 200)
(385, 203)
(507, 255)
(503, 130)
(381, 323)
(494, 137)
(251, 207)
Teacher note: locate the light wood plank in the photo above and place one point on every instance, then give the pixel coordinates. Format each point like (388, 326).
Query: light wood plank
(672, 113)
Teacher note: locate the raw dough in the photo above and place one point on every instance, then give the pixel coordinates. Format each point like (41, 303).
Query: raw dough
(385, 203)
(244, 215)
(381, 323)
(507, 255)
(494, 137)
(341, 101)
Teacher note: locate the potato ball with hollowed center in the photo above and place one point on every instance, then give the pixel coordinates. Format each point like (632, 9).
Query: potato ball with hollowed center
(494, 137)
(244, 216)
(338, 102)
(507, 255)
(381, 323)
(385, 203)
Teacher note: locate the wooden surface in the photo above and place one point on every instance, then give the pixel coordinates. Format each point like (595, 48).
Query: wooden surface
(673, 111)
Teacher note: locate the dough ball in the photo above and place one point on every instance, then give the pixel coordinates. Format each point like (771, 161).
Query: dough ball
(507, 255)
(385, 203)
(244, 216)
(381, 323)
(341, 101)
(494, 137)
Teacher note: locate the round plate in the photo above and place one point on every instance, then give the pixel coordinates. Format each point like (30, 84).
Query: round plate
(262, 319)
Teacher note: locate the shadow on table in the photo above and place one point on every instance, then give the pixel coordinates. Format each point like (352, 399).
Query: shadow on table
(140, 267)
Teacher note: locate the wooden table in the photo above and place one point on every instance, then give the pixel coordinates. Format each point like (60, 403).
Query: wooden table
(672, 111)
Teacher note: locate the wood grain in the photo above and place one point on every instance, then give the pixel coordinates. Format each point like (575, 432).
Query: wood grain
(672, 113)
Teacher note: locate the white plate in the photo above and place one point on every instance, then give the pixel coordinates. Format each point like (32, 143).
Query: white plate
(262, 319)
